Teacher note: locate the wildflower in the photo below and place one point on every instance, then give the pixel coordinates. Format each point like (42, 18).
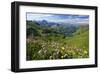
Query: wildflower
(79, 50)
(40, 51)
(45, 51)
(58, 52)
(62, 48)
(51, 57)
(65, 55)
(54, 54)
(85, 52)
(62, 57)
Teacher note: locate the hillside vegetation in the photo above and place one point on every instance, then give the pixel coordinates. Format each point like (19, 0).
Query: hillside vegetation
(56, 41)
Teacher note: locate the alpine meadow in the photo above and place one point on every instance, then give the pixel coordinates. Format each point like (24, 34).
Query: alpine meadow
(56, 36)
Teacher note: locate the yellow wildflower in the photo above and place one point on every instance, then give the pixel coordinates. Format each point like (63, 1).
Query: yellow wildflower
(85, 52)
(62, 48)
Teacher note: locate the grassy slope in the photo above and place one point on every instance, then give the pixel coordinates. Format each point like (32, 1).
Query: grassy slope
(74, 47)
(80, 42)
(79, 39)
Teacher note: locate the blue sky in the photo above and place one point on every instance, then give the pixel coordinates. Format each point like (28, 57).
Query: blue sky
(66, 18)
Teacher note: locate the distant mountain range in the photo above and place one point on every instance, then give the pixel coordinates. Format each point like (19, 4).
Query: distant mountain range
(47, 23)
(66, 29)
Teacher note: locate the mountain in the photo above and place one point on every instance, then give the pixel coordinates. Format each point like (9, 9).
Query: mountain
(47, 23)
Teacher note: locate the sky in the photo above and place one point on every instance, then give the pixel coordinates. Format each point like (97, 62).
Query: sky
(65, 18)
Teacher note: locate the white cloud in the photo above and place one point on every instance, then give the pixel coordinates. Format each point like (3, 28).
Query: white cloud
(31, 16)
(58, 18)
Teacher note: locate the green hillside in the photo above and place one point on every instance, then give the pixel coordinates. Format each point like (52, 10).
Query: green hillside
(47, 43)
(80, 42)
